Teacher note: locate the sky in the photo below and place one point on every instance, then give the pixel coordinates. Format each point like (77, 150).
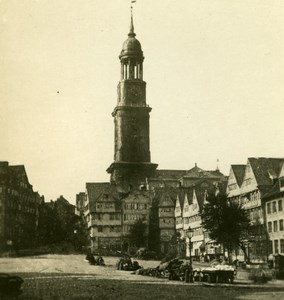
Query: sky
(214, 71)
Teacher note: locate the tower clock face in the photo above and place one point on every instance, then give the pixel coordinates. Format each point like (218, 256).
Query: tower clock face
(134, 93)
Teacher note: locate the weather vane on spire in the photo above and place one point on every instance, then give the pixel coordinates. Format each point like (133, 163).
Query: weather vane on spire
(132, 1)
(131, 33)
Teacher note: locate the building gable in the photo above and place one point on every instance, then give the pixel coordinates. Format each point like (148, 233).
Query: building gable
(281, 173)
(249, 182)
(185, 209)
(235, 180)
(166, 200)
(178, 211)
(194, 206)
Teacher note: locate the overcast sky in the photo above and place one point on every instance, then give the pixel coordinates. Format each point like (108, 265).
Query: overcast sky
(214, 71)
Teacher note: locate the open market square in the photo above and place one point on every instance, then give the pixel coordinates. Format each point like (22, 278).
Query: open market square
(71, 277)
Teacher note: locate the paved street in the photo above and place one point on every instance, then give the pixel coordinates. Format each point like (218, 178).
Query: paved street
(70, 277)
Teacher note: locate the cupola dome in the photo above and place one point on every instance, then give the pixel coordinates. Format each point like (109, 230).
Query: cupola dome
(131, 47)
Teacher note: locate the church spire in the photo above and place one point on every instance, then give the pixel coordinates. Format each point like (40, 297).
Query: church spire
(132, 158)
(131, 32)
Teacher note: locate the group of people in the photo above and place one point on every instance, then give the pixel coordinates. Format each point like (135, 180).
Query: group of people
(94, 261)
(126, 264)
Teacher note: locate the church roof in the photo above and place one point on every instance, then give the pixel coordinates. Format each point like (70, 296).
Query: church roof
(197, 172)
(169, 174)
(131, 47)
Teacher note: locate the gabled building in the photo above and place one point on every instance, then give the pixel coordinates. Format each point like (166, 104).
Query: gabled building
(194, 222)
(103, 214)
(188, 206)
(178, 214)
(235, 180)
(166, 209)
(18, 209)
(258, 178)
(80, 203)
(273, 202)
(136, 206)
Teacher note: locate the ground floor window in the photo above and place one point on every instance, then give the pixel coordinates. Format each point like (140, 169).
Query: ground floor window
(270, 247)
(276, 249)
(282, 245)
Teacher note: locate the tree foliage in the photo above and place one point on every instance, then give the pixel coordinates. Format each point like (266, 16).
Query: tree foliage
(137, 233)
(154, 243)
(226, 222)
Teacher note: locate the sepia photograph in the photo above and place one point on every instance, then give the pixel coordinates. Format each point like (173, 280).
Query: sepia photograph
(138, 155)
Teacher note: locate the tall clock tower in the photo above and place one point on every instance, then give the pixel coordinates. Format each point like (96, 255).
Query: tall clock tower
(132, 162)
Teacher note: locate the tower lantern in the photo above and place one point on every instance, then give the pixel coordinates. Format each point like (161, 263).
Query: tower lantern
(131, 56)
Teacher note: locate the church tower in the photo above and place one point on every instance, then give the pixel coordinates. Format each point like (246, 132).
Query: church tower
(132, 162)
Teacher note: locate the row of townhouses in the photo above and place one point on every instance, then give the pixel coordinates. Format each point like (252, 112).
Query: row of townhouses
(19, 205)
(258, 186)
(168, 203)
(173, 200)
(26, 220)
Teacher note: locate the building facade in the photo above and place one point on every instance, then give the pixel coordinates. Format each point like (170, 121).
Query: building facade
(274, 216)
(248, 185)
(18, 209)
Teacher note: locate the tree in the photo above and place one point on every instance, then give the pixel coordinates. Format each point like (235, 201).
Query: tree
(226, 222)
(154, 242)
(80, 236)
(137, 232)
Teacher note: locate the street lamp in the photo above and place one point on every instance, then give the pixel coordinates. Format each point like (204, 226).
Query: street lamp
(189, 234)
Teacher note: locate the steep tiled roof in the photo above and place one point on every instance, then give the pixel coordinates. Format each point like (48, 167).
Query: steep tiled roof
(239, 172)
(18, 172)
(272, 191)
(265, 169)
(167, 197)
(96, 189)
